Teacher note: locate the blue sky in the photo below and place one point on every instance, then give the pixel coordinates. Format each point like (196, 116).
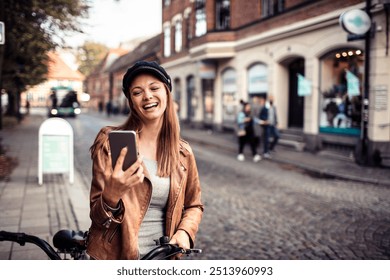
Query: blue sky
(111, 22)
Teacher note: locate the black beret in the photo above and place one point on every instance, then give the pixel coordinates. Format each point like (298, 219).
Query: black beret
(142, 66)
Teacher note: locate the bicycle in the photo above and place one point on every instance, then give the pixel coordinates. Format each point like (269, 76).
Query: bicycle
(73, 243)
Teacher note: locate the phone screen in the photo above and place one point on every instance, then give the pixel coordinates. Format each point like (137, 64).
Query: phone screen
(120, 139)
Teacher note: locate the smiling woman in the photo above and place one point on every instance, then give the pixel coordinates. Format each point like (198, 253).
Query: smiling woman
(162, 187)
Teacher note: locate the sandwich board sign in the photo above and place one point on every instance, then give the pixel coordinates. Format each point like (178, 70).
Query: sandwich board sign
(55, 149)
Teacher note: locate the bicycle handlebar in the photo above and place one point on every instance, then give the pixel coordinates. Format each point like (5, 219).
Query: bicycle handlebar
(23, 238)
(165, 250)
(69, 241)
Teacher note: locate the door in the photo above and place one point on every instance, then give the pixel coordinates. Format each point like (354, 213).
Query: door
(208, 99)
(296, 103)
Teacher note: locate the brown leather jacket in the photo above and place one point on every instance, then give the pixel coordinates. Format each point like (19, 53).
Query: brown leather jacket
(117, 237)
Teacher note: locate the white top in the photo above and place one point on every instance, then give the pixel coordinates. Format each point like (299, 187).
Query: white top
(153, 225)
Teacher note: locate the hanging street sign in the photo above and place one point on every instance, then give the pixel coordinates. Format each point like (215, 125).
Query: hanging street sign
(355, 21)
(2, 33)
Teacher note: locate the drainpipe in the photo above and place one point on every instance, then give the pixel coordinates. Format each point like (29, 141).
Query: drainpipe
(366, 92)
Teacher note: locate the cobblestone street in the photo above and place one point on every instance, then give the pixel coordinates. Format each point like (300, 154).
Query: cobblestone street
(268, 210)
(273, 211)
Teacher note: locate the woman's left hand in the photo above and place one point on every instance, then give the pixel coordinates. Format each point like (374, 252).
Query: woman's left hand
(181, 239)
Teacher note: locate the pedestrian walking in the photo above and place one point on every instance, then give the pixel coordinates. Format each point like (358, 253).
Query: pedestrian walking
(109, 108)
(160, 194)
(273, 124)
(263, 121)
(27, 107)
(246, 133)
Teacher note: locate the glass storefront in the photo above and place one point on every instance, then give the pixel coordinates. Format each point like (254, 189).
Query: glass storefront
(341, 92)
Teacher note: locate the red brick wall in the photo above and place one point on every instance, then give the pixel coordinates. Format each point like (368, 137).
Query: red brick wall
(243, 12)
(176, 7)
(293, 15)
(210, 14)
(291, 3)
(246, 18)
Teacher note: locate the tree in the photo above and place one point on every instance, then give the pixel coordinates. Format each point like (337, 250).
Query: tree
(32, 29)
(89, 56)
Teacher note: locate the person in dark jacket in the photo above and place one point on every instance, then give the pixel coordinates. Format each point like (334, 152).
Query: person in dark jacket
(246, 132)
(263, 121)
(273, 124)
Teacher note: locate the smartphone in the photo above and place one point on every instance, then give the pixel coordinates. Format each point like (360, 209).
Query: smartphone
(120, 139)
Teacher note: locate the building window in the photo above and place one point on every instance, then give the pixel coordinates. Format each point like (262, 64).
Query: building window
(200, 17)
(177, 94)
(222, 17)
(341, 92)
(167, 3)
(258, 79)
(30, 96)
(167, 41)
(229, 96)
(41, 97)
(178, 36)
(188, 32)
(271, 7)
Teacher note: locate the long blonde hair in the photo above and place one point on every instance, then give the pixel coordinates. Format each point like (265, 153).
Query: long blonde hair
(168, 141)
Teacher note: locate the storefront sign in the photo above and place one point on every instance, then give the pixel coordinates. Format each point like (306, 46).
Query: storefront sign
(2, 33)
(304, 86)
(55, 154)
(380, 98)
(355, 22)
(353, 84)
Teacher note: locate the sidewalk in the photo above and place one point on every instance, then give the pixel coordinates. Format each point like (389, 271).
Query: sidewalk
(26, 206)
(321, 166)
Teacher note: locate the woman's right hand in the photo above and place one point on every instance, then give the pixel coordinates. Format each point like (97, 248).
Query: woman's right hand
(121, 181)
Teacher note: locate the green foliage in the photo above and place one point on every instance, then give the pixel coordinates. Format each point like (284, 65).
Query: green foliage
(34, 27)
(89, 56)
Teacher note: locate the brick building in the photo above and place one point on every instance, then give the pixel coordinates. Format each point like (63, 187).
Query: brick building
(147, 50)
(59, 75)
(97, 84)
(221, 51)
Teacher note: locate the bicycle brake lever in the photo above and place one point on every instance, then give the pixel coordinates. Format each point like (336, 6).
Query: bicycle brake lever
(190, 251)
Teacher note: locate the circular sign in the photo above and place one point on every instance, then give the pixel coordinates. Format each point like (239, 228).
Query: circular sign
(355, 22)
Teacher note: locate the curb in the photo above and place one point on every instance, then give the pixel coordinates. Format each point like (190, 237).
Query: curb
(317, 171)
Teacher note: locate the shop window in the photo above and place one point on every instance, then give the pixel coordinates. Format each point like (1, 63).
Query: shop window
(200, 17)
(258, 79)
(271, 7)
(222, 14)
(341, 92)
(229, 96)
